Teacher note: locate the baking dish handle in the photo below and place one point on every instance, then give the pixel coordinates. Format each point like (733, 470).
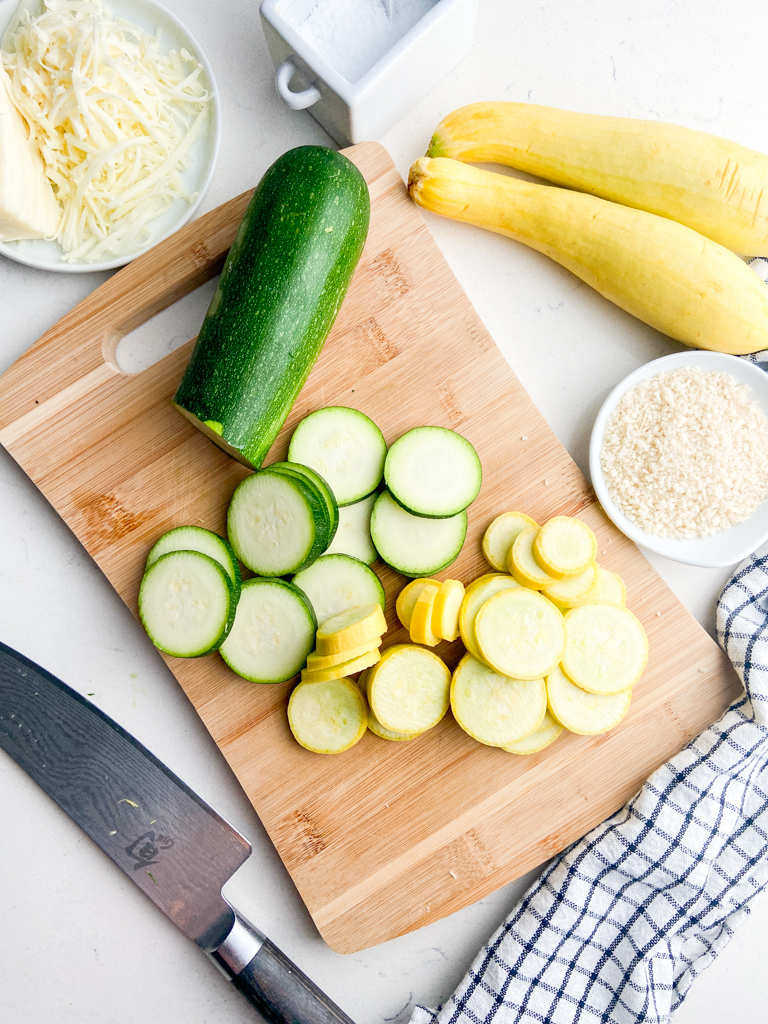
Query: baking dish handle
(294, 100)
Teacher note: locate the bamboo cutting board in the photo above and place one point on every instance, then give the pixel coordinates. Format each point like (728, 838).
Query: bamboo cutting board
(387, 836)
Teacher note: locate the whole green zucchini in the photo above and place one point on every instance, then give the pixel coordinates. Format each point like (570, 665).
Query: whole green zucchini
(282, 285)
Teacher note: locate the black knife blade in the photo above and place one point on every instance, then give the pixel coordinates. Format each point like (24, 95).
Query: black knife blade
(165, 838)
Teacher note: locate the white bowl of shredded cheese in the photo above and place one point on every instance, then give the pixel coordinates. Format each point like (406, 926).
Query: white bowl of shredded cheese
(679, 457)
(146, 123)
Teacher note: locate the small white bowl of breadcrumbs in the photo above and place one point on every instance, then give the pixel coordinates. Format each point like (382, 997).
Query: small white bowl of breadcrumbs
(679, 457)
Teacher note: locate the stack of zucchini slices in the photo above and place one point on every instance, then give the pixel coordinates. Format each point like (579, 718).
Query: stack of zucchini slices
(302, 528)
(189, 591)
(419, 523)
(308, 529)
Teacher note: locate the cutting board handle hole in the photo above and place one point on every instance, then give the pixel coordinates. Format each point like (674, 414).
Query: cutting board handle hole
(164, 332)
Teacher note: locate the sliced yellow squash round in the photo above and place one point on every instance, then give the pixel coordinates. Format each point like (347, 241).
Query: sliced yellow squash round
(520, 634)
(388, 734)
(316, 661)
(492, 708)
(408, 688)
(445, 614)
(374, 725)
(327, 717)
(421, 621)
(406, 599)
(606, 648)
(609, 587)
(585, 713)
(350, 629)
(475, 596)
(500, 535)
(343, 669)
(523, 565)
(573, 590)
(547, 733)
(564, 546)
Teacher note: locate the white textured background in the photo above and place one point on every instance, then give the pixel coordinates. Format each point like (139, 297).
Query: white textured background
(77, 944)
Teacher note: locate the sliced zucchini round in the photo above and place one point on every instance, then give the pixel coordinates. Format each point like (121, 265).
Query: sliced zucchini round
(414, 545)
(185, 603)
(338, 583)
(327, 717)
(273, 632)
(277, 523)
(353, 536)
(345, 447)
(319, 484)
(433, 472)
(495, 709)
(197, 538)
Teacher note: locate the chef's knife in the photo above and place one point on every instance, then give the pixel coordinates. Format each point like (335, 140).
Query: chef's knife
(162, 835)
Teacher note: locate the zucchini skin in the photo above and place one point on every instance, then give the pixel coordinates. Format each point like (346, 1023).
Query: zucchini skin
(281, 288)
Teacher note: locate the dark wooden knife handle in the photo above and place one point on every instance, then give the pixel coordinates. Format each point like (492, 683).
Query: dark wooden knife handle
(271, 982)
(282, 993)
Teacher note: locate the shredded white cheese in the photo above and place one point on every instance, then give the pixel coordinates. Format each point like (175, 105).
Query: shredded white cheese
(113, 117)
(685, 453)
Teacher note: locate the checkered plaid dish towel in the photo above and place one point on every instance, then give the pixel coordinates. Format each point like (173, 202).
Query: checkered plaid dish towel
(619, 925)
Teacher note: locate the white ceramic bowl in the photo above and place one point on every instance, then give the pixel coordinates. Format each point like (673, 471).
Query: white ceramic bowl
(150, 16)
(725, 548)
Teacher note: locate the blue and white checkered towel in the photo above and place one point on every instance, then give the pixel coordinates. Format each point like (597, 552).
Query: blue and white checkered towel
(619, 924)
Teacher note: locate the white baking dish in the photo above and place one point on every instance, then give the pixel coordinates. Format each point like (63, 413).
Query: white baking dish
(356, 111)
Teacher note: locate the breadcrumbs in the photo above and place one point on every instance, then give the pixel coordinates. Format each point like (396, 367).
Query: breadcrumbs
(685, 453)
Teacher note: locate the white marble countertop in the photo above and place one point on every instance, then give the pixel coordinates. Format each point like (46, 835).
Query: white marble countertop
(77, 942)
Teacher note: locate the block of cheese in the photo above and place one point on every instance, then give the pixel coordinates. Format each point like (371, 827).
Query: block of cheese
(28, 205)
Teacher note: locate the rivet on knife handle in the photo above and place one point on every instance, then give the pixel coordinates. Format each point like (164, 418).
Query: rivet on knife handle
(274, 984)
